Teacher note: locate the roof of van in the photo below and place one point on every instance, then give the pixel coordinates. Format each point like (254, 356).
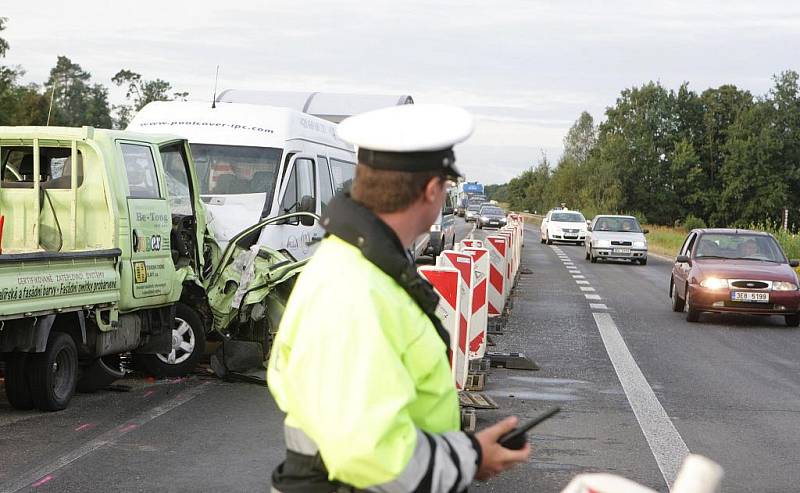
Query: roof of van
(333, 107)
(235, 124)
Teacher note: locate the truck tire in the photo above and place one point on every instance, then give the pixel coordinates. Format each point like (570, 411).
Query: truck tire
(188, 346)
(52, 375)
(17, 391)
(99, 374)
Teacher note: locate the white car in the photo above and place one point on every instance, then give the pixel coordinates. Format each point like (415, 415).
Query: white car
(563, 225)
(616, 238)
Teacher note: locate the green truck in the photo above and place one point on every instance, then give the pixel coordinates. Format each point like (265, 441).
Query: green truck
(107, 250)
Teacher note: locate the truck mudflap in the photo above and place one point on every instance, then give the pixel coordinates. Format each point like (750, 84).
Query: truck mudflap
(247, 294)
(39, 283)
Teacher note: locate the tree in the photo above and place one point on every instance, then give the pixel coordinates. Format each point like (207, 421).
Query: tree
(3, 43)
(76, 101)
(139, 92)
(581, 138)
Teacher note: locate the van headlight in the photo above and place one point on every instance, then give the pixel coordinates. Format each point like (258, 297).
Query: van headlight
(784, 286)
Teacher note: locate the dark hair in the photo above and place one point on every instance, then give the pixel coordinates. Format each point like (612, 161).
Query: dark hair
(385, 191)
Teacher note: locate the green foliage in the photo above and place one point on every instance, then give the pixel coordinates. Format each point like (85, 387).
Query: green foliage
(692, 222)
(723, 157)
(139, 92)
(77, 101)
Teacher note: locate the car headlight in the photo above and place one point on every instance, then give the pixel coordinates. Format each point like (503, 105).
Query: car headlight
(640, 244)
(436, 228)
(784, 286)
(502, 219)
(602, 243)
(714, 283)
(484, 218)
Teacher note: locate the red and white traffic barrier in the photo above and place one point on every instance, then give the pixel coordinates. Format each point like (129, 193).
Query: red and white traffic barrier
(497, 246)
(470, 243)
(509, 272)
(462, 262)
(480, 304)
(446, 282)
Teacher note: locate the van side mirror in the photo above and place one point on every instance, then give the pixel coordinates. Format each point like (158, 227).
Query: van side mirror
(307, 204)
(794, 263)
(682, 259)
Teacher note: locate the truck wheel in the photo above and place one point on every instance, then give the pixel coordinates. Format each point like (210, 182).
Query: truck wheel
(17, 391)
(188, 346)
(52, 375)
(100, 373)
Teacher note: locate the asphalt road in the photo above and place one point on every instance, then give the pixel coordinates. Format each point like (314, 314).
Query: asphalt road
(726, 388)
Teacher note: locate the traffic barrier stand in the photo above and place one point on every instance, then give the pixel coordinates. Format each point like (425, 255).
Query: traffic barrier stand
(462, 262)
(446, 282)
(477, 340)
(497, 246)
(511, 361)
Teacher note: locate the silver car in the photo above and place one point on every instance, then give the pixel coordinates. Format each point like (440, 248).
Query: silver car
(618, 238)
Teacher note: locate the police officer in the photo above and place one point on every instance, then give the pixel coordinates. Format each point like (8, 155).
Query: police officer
(360, 364)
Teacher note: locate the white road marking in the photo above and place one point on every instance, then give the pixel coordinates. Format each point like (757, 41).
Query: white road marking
(104, 439)
(569, 266)
(598, 306)
(578, 276)
(665, 442)
(581, 282)
(593, 297)
(587, 288)
(573, 271)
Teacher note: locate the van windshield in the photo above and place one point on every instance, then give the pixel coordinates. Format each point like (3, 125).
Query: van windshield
(231, 170)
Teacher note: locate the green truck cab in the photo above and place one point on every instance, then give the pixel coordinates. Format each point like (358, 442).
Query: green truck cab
(106, 249)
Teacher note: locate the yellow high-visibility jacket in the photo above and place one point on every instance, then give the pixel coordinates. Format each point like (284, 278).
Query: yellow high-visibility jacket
(365, 382)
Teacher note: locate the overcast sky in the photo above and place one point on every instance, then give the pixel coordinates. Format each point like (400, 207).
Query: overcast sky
(526, 69)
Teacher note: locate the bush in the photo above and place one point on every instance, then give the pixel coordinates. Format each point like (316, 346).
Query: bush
(692, 222)
(638, 215)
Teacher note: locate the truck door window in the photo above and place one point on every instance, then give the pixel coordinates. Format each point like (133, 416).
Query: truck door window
(174, 161)
(343, 174)
(325, 187)
(141, 170)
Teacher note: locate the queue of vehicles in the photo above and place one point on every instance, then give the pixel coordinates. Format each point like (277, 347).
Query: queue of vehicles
(716, 270)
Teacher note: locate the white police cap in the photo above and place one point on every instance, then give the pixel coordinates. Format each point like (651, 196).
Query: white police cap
(412, 137)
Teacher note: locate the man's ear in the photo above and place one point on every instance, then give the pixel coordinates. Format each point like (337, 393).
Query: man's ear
(432, 189)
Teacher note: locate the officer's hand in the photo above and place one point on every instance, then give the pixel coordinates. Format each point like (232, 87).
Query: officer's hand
(496, 458)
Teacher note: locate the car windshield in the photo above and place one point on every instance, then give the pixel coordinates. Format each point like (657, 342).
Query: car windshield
(617, 225)
(492, 211)
(739, 247)
(474, 208)
(567, 217)
(231, 170)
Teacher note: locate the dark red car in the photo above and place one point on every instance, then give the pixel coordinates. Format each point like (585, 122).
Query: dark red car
(734, 271)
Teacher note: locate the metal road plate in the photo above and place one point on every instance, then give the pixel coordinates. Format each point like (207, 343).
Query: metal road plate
(476, 400)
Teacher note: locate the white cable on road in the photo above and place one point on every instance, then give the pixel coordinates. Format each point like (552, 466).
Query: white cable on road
(665, 442)
(104, 439)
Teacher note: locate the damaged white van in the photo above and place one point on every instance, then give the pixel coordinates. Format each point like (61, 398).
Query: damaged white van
(255, 161)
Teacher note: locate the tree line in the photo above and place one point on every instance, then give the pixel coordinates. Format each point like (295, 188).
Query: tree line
(69, 96)
(723, 157)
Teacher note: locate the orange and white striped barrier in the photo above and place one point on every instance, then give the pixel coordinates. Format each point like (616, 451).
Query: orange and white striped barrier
(462, 262)
(470, 243)
(480, 307)
(509, 272)
(497, 246)
(446, 282)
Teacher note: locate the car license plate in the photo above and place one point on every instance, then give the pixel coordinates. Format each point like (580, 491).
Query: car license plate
(622, 250)
(748, 296)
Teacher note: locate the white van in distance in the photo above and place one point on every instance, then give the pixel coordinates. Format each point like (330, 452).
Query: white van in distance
(256, 161)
